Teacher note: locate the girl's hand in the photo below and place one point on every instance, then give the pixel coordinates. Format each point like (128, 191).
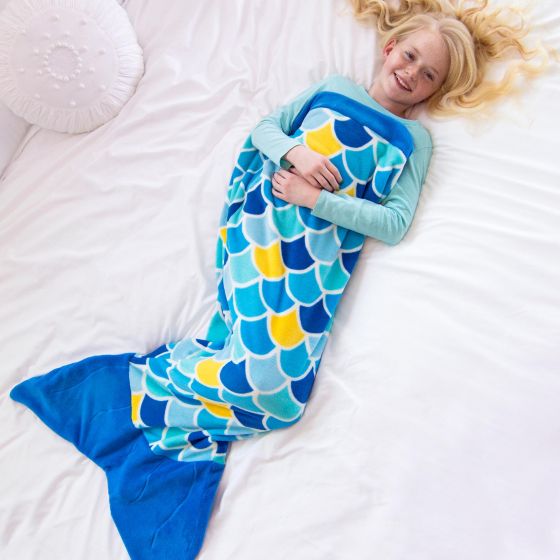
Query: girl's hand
(317, 169)
(290, 186)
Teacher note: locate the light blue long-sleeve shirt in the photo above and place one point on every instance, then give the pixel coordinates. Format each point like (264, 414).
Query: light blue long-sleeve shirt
(387, 221)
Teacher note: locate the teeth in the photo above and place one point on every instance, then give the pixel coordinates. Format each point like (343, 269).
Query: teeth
(401, 83)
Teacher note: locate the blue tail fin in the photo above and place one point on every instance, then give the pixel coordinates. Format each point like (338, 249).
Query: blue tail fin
(161, 507)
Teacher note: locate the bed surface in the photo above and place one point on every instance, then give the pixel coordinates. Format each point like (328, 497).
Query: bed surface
(432, 430)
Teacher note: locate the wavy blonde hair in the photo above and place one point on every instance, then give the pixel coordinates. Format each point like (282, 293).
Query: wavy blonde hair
(474, 35)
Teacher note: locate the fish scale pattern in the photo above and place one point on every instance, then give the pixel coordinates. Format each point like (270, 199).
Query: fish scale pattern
(280, 275)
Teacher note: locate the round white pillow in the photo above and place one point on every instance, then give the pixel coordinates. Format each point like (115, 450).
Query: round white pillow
(67, 65)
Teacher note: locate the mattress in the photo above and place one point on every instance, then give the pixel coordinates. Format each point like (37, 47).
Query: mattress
(432, 429)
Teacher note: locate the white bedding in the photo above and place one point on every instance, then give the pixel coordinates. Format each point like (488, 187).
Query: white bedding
(432, 430)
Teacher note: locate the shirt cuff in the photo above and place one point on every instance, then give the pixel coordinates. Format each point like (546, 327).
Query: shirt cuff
(322, 204)
(285, 147)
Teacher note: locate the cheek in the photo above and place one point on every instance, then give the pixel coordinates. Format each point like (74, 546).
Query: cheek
(430, 87)
(437, 86)
(390, 64)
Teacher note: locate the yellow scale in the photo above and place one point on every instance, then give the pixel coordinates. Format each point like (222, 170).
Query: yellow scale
(208, 373)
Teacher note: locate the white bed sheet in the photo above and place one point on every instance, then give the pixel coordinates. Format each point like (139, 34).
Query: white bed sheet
(433, 428)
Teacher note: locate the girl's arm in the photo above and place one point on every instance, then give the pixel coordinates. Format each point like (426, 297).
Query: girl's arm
(387, 221)
(270, 136)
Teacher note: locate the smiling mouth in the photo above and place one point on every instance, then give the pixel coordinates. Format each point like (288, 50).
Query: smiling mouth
(401, 84)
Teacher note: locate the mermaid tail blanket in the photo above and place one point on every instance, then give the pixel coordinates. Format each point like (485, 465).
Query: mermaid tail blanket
(160, 424)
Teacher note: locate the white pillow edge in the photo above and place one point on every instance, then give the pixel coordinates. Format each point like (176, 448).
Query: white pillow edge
(131, 69)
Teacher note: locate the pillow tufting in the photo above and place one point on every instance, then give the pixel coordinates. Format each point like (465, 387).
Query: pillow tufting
(67, 65)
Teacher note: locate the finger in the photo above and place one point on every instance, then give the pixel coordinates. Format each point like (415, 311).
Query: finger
(283, 173)
(331, 179)
(277, 193)
(323, 182)
(333, 169)
(276, 186)
(313, 182)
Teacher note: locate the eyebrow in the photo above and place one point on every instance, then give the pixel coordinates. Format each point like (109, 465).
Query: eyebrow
(430, 67)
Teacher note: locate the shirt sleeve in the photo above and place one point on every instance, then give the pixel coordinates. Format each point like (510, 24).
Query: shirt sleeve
(387, 221)
(271, 135)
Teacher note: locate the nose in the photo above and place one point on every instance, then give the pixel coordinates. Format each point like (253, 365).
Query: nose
(411, 72)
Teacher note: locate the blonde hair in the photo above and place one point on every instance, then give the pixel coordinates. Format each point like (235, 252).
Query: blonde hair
(474, 35)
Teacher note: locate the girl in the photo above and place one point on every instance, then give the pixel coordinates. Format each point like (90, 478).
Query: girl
(435, 55)
(160, 424)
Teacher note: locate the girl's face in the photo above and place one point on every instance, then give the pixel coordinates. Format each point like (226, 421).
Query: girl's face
(414, 68)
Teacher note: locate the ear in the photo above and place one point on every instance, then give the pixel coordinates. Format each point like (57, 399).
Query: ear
(389, 46)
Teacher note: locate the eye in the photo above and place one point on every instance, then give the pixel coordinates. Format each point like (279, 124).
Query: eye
(430, 76)
(409, 55)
